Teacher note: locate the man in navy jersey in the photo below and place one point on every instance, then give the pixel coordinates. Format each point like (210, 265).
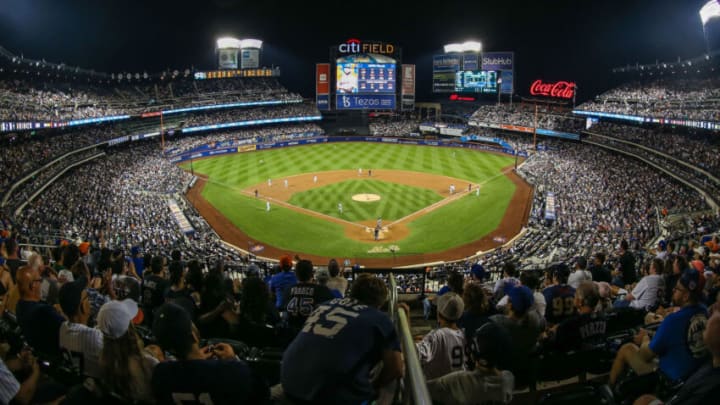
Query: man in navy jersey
(209, 375)
(560, 297)
(153, 287)
(302, 298)
(341, 342)
(583, 330)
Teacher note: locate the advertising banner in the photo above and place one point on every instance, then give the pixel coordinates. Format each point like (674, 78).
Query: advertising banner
(470, 62)
(249, 58)
(408, 88)
(322, 78)
(498, 60)
(227, 59)
(323, 102)
(365, 102)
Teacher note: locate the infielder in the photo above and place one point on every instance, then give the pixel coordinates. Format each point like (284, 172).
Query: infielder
(359, 171)
(269, 182)
(267, 206)
(340, 209)
(452, 189)
(315, 179)
(286, 183)
(477, 191)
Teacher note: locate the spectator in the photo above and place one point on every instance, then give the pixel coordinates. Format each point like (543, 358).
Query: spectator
(39, 321)
(509, 278)
(454, 284)
(599, 271)
(531, 281)
(703, 386)
(322, 276)
(678, 266)
(257, 315)
(337, 281)
(443, 349)
(678, 341)
(584, 330)
(560, 297)
(489, 382)
(281, 281)
(477, 313)
(75, 336)
(11, 390)
(627, 274)
(210, 374)
(331, 360)
(649, 290)
(177, 293)
(580, 273)
(127, 367)
(304, 297)
(154, 286)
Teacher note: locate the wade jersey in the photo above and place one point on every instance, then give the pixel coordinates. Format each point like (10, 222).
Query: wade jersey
(441, 352)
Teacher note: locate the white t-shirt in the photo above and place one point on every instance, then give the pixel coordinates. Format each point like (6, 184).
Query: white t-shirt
(578, 276)
(441, 352)
(79, 338)
(647, 292)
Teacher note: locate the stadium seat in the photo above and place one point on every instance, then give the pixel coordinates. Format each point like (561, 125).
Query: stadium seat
(584, 394)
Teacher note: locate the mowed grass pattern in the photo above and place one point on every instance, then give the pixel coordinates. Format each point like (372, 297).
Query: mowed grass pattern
(397, 200)
(457, 223)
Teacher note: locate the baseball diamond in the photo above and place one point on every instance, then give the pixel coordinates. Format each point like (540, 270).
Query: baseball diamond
(412, 183)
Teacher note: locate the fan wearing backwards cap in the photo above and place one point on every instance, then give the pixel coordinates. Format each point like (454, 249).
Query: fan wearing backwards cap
(209, 375)
(488, 382)
(678, 342)
(442, 351)
(282, 280)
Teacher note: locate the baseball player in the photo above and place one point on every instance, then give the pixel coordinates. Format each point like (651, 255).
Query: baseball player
(340, 208)
(286, 183)
(477, 191)
(452, 189)
(377, 232)
(379, 222)
(269, 182)
(315, 179)
(256, 193)
(267, 206)
(359, 171)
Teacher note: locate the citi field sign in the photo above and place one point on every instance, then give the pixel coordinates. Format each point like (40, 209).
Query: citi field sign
(354, 45)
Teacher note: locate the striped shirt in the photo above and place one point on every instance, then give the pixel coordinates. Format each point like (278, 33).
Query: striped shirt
(442, 351)
(9, 385)
(88, 342)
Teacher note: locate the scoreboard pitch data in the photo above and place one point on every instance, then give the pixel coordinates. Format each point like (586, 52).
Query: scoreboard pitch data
(360, 78)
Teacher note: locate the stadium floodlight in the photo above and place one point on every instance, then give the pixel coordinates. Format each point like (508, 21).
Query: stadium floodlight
(467, 46)
(709, 11)
(251, 43)
(228, 43)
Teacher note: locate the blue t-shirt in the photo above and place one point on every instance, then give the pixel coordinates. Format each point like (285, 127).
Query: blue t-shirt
(207, 381)
(678, 341)
(560, 301)
(444, 290)
(139, 265)
(333, 354)
(278, 284)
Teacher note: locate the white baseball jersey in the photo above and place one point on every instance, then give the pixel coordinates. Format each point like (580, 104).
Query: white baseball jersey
(87, 341)
(442, 351)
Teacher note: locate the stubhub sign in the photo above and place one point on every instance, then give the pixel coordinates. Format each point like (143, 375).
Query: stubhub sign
(365, 102)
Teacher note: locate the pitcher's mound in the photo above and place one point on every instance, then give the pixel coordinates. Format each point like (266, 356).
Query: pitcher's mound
(366, 197)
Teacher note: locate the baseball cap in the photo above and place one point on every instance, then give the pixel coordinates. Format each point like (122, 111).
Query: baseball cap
(450, 306)
(171, 326)
(491, 343)
(662, 244)
(286, 262)
(66, 275)
(84, 247)
(520, 297)
(698, 265)
(253, 270)
(693, 280)
(114, 317)
(70, 295)
(478, 271)
(134, 250)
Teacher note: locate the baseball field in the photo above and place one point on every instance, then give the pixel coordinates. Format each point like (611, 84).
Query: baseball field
(376, 204)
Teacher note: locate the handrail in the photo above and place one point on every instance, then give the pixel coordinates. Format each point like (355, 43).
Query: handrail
(415, 379)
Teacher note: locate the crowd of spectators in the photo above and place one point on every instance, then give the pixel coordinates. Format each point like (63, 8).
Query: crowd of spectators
(697, 149)
(33, 100)
(393, 127)
(248, 114)
(674, 98)
(524, 115)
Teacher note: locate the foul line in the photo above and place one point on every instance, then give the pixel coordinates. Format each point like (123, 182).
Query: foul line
(447, 200)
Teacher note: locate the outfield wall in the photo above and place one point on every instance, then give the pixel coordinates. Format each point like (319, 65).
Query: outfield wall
(206, 151)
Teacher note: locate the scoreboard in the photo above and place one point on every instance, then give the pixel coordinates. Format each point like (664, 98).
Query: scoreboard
(476, 81)
(364, 78)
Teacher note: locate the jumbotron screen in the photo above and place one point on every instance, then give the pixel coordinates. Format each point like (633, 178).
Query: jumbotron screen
(476, 81)
(363, 78)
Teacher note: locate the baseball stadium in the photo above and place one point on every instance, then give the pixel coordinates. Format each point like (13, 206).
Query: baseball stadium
(241, 203)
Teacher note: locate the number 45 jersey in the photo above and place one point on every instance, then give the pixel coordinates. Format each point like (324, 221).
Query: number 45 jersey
(331, 358)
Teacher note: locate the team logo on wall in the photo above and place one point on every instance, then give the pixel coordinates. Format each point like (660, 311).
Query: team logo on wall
(257, 248)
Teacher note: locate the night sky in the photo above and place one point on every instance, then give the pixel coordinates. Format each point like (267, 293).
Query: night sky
(577, 40)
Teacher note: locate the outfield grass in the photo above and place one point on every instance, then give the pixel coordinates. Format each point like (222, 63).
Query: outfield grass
(397, 200)
(459, 222)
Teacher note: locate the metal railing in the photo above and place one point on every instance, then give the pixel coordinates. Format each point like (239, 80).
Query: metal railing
(414, 379)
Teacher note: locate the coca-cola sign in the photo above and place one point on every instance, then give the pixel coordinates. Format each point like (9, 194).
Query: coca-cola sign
(559, 89)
